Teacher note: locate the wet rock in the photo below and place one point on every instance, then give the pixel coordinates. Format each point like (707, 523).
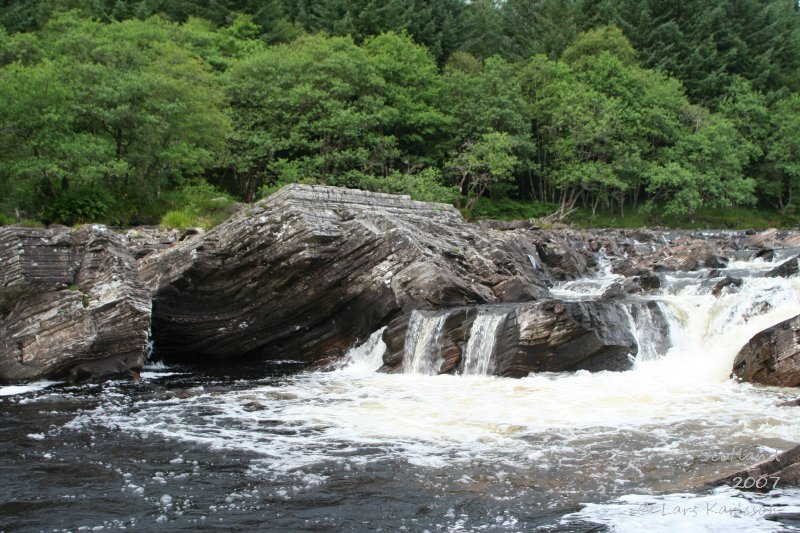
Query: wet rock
(71, 305)
(715, 261)
(455, 338)
(781, 471)
(789, 403)
(684, 253)
(784, 270)
(546, 336)
(765, 239)
(726, 282)
(613, 291)
(553, 336)
(649, 280)
(563, 260)
(310, 269)
(772, 357)
(767, 254)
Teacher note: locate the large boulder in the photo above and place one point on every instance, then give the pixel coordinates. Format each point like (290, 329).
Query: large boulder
(71, 305)
(772, 357)
(311, 269)
(554, 336)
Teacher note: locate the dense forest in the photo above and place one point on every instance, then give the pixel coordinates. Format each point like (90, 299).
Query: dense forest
(128, 111)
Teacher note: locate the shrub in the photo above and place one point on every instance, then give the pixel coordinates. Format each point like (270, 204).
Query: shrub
(177, 220)
(425, 186)
(76, 206)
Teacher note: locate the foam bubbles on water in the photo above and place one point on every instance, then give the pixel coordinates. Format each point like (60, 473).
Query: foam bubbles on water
(12, 390)
(722, 510)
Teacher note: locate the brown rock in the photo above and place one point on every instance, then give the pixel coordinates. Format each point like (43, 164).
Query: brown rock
(781, 471)
(772, 357)
(784, 270)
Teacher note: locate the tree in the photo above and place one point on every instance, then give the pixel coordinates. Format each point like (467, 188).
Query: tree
(338, 112)
(705, 167)
(124, 118)
(484, 165)
(541, 27)
(592, 43)
(783, 154)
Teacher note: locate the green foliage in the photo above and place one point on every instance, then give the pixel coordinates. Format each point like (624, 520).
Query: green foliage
(196, 205)
(709, 43)
(120, 110)
(783, 153)
(330, 111)
(77, 206)
(592, 43)
(179, 219)
(486, 164)
(426, 186)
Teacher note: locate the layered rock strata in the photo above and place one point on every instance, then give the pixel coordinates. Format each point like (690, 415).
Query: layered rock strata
(71, 305)
(306, 272)
(772, 357)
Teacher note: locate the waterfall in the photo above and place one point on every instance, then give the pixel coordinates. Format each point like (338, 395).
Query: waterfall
(482, 339)
(423, 346)
(367, 356)
(707, 331)
(652, 324)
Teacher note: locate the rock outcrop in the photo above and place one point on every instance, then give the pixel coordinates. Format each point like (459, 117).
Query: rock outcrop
(772, 357)
(71, 305)
(543, 336)
(311, 269)
(785, 269)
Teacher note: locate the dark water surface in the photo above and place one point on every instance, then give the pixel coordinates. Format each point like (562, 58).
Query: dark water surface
(70, 461)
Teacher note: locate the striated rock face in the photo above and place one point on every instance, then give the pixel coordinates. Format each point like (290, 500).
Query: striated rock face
(558, 336)
(309, 270)
(772, 357)
(544, 336)
(71, 305)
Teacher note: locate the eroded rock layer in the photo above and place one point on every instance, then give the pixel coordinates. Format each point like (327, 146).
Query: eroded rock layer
(71, 305)
(772, 357)
(310, 269)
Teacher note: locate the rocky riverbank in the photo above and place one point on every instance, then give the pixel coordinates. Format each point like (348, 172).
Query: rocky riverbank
(312, 270)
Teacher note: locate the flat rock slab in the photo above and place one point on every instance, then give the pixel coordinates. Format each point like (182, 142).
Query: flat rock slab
(71, 305)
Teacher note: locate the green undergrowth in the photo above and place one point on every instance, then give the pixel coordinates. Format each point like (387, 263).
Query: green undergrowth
(508, 209)
(729, 218)
(196, 206)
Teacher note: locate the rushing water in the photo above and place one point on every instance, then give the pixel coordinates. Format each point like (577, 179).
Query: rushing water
(480, 346)
(423, 343)
(257, 446)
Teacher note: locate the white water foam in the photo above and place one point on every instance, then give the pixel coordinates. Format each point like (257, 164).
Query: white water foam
(366, 357)
(12, 390)
(646, 427)
(423, 343)
(723, 510)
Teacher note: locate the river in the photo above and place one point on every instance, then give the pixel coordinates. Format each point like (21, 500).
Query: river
(259, 445)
